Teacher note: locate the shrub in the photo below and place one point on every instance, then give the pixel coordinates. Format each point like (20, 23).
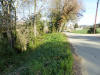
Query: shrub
(91, 31)
(48, 55)
(6, 54)
(76, 25)
(51, 57)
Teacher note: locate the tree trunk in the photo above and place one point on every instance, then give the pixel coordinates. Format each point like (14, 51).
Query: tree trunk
(61, 27)
(9, 26)
(15, 18)
(35, 18)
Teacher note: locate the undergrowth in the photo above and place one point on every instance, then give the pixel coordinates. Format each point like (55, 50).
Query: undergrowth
(49, 55)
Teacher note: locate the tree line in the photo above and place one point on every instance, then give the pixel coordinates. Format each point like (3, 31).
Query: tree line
(36, 15)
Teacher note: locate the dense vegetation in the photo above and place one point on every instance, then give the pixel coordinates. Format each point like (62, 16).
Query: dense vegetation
(76, 25)
(91, 31)
(29, 42)
(49, 55)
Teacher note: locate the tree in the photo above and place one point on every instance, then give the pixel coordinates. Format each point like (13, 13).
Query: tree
(76, 25)
(7, 9)
(55, 14)
(65, 11)
(33, 3)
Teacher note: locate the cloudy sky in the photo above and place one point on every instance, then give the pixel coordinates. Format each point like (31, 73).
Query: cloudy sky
(89, 15)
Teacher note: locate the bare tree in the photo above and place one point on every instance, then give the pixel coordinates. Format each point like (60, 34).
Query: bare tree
(30, 4)
(7, 14)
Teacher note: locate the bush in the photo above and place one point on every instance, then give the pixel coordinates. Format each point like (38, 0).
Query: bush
(91, 31)
(6, 54)
(49, 55)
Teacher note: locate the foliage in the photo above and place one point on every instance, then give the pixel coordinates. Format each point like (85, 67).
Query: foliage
(55, 18)
(50, 55)
(98, 29)
(8, 17)
(63, 11)
(6, 54)
(40, 24)
(91, 31)
(47, 54)
(24, 35)
(84, 31)
(76, 25)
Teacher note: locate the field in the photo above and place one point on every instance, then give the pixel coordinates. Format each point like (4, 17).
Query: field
(98, 30)
(49, 55)
(84, 31)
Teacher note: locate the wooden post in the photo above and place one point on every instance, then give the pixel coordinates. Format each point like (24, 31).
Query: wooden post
(96, 16)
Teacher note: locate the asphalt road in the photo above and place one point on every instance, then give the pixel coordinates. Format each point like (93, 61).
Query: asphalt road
(88, 48)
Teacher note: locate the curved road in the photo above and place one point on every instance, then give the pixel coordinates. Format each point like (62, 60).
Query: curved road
(88, 48)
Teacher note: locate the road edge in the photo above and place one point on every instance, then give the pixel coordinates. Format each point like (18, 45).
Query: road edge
(77, 66)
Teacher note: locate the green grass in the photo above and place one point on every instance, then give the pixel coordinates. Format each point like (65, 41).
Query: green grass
(98, 30)
(84, 31)
(49, 55)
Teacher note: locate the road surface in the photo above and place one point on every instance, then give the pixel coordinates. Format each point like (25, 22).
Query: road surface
(88, 48)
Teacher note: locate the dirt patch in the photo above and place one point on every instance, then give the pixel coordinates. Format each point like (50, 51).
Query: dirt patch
(77, 62)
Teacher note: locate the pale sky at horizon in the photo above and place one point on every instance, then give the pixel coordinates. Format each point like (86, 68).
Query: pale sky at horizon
(90, 11)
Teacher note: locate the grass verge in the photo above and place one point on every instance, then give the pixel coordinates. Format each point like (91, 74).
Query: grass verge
(50, 55)
(84, 31)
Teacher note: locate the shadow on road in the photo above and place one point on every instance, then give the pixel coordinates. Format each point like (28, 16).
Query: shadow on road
(88, 47)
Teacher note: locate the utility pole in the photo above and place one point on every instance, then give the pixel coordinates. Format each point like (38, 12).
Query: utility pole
(96, 16)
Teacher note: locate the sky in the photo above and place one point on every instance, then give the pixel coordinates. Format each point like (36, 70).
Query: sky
(90, 12)
(88, 16)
